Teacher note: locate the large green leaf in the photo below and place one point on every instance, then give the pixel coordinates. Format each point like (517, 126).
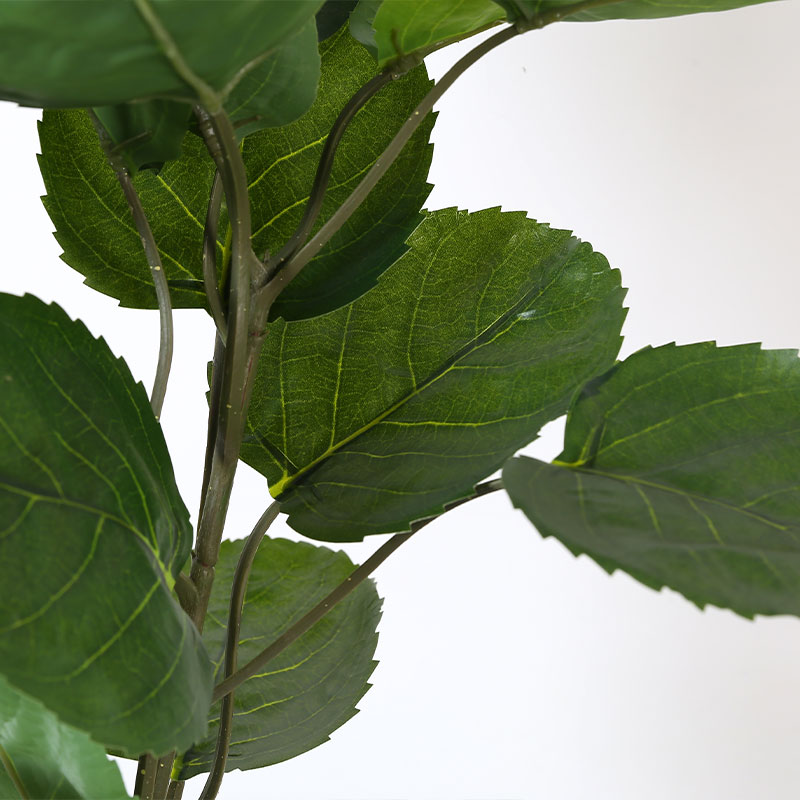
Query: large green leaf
(94, 52)
(51, 759)
(378, 414)
(99, 239)
(623, 9)
(94, 533)
(680, 467)
(405, 26)
(312, 687)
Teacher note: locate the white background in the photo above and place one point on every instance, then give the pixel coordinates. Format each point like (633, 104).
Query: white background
(510, 669)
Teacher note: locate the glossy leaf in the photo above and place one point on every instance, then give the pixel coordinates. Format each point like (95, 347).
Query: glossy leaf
(680, 467)
(376, 415)
(406, 26)
(93, 534)
(95, 53)
(147, 133)
(312, 687)
(51, 759)
(626, 9)
(93, 223)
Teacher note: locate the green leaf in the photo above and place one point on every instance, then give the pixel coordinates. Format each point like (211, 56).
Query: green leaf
(680, 467)
(89, 53)
(99, 239)
(626, 9)
(279, 89)
(94, 533)
(148, 132)
(361, 24)
(405, 26)
(379, 413)
(332, 15)
(51, 759)
(312, 687)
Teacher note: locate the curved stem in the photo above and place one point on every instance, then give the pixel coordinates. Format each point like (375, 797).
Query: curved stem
(337, 595)
(323, 174)
(154, 261)
(8, 765)
(210, 277)
(386, 159)
(238, 589)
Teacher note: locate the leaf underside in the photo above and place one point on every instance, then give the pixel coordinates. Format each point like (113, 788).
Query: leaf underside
(680, 467)
(379, 413)
(312, 687)
(95, 230)
(93, 534)
(50, 758)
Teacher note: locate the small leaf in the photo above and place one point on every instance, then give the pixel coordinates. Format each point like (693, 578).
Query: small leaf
(627, 9)
(51, 759)
(94, 533)
(361, 24)
(148, 133)
(94, 227)
(88, 53)
(405, 26)
(312, 687)
(281, 88)
(377, 414)
(680, 467)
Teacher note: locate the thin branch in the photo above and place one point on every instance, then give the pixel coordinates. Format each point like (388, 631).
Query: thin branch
(323, 174)
(337, 595)
(238, 590)
(175, 791)
(144, 787)
(207, 96)
(154, 261)
(210, 278)
(8, 764)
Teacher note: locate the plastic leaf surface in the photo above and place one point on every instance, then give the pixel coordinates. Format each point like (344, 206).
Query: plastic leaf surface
(93, 535)
(51, 759)
(94, 227)
(680, 467)
(312, 687)
(377, 414)
(94, 53)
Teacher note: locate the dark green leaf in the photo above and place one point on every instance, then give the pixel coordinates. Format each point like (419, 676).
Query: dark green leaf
(149, 132)
(312, 687)
(680, 467)
(628, 9)
(95, 53)
(405, 26)
(361, 22)
(280, 88)
(99, 239)
(94, 533)
(377, 414)
(50, 758)
(332, 16)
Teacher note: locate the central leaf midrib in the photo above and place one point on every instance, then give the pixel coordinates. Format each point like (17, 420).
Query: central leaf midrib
(488, 333)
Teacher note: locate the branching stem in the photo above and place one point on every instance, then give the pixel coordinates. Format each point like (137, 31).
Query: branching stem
(337, 595)
(238, 590)
(154, 261)
(210, 277)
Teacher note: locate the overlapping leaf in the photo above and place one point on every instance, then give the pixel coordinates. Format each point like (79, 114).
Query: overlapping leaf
(89, 53)
(99, 239)
(93, 534)
(49, 758)
(405, 26)
(681, 467)
(312, 687)
(377, 414)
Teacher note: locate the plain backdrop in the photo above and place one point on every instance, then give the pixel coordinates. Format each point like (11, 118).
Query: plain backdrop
(508, 668)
